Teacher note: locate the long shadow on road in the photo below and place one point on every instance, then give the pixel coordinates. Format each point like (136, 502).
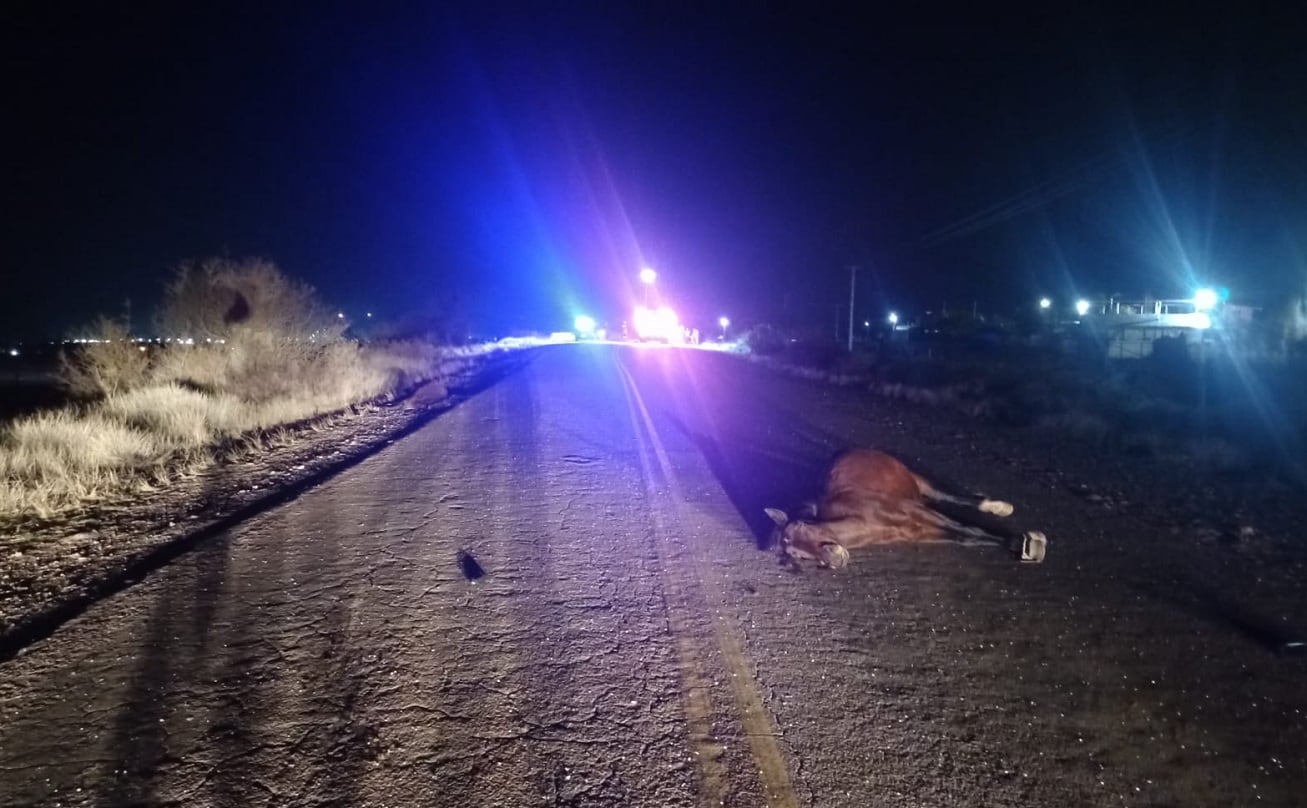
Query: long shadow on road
(746, 428)
(247, 673)
(755, 477)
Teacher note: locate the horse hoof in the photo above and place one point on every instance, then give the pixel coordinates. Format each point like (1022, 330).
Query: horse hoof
(997, 507)
(834, 556)
(1033, 546)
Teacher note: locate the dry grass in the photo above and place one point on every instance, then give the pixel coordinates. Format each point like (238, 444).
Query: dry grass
(197, 402)
(262, 353)
(54, 460)
(111, 364)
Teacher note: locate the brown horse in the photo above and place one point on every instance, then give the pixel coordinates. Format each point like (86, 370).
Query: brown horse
(871, 498)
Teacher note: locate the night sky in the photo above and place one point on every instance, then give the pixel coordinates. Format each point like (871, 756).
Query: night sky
(522, 165)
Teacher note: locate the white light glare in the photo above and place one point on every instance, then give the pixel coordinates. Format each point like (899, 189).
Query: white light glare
(1082, 307)
(1205, 299)
(1045, 302)
(724, 322)
(585, 324)
(647, 275)
(893, 318)
(661, 323)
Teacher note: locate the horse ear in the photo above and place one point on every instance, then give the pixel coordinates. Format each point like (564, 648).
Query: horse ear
(778, 516)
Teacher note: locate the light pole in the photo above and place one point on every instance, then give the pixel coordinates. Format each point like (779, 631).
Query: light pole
(724, 322)
(647, 277)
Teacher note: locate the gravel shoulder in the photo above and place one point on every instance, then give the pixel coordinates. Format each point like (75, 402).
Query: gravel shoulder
(50, 571)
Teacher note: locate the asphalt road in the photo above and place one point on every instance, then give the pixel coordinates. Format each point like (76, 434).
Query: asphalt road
(558, 593)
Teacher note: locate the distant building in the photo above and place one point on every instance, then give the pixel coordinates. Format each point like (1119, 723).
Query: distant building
(1132, 327)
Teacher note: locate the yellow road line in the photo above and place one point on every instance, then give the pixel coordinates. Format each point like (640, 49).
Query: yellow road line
(758, 724)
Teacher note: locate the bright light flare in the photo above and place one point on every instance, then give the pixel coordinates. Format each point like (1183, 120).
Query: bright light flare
(893, 318)
(724, 322)
(647, 275)
(661, 323)
(585, 324)
(1082, 307)
(1045, 303)
(1206, 299)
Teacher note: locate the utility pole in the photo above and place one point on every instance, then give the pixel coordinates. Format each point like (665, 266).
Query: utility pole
(853, 280)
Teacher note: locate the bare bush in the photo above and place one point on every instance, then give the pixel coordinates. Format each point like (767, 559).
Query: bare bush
(110, 363)
(263, 353)
(223, 298)
(442, 319)
(763, 340)
(258, 335)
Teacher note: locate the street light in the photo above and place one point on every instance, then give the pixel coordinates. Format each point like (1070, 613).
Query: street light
(1044, 303)
(1082, 307)
(893, 318)
(724, 322)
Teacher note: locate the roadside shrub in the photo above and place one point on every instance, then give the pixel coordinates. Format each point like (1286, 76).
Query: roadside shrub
(108, 365)
(442, 319)
(203, 368)
(220, 298)
(410, 362)
(763, 340)
(251, 353)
